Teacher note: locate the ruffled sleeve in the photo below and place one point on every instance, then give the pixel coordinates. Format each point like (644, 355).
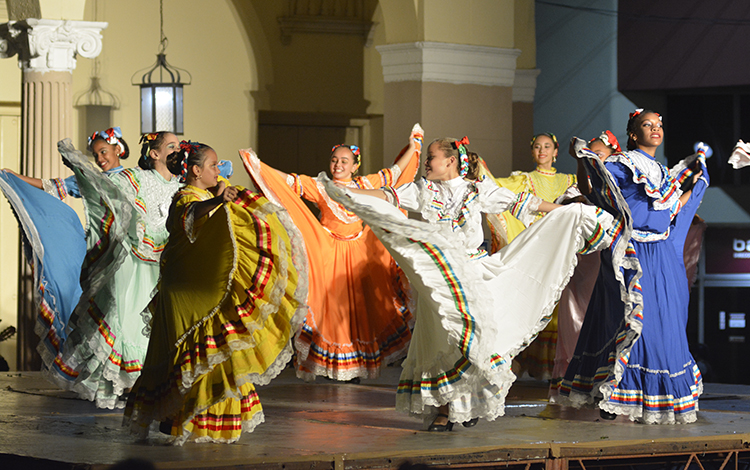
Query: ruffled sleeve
(494, 199)
(61, 188)
(304, 187)
(659, 185)
(407, 197)
(517, 182)
(385, 177)
(688, 167)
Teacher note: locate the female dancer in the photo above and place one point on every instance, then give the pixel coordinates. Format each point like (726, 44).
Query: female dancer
(54, 240)
(632, 356)
(358, 319)
(458, 366)
(232, 291)
(603, 146)
(126, 233)
(545, 183)
(575, 298)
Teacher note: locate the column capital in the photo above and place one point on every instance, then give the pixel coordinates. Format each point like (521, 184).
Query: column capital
(449, 63)
(50, 45)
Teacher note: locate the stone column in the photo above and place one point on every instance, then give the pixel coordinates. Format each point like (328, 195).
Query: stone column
(47, 51)
(452, 90)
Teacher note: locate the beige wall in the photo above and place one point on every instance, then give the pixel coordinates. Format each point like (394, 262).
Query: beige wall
(402, 23)
(447, 110)
(65, 10)
(524, 33)
(475, 22)
(10, 77)
(373, 70)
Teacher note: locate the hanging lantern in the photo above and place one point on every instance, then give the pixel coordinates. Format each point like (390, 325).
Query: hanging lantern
(161, 91)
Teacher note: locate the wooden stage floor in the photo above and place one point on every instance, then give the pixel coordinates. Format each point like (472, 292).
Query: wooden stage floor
(338, 426)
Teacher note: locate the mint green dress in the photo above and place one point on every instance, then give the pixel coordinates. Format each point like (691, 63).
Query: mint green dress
(125, 235)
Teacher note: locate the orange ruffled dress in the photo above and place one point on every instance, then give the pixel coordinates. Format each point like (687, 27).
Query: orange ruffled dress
(358, 319)
(230, 298)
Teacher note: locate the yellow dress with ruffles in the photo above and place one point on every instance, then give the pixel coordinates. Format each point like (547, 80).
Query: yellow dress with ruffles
(232, 292)
(539, 358)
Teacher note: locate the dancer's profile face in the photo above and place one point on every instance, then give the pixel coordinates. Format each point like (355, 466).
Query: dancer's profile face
(438, 165)
(649, 132)
(601, 150)
(343, 164)
(543, 151)
(168, 146)
(208, 173)
(107, 156)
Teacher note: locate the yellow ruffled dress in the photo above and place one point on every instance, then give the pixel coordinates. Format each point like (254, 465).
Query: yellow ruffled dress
(539, 358)
(232, 293)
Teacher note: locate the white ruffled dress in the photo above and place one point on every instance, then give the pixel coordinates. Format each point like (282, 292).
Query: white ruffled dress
(475, 312)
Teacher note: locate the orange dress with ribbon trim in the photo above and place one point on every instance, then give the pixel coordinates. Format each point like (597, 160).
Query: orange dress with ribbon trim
(358, 319)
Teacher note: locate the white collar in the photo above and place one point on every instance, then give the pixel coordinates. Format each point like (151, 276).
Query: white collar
(454, 183)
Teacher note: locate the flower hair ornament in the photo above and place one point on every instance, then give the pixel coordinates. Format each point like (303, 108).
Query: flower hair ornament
(112, 136)
(353, 148)
(548, 134)
(148, 137)
(460, 145)
(639, 111)
(187, 147)
(609, 139)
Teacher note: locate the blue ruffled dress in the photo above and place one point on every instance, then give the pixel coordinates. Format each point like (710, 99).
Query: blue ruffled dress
(54, 245)
(632, 356)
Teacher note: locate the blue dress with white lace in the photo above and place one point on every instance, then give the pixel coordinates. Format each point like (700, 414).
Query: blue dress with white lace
(632, 356)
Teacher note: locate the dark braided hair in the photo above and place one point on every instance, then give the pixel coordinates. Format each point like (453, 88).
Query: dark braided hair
(150, 142)
(190, 154)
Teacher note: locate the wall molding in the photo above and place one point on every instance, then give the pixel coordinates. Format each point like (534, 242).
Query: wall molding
(449, 63)
(325, 25)
(524, 87)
